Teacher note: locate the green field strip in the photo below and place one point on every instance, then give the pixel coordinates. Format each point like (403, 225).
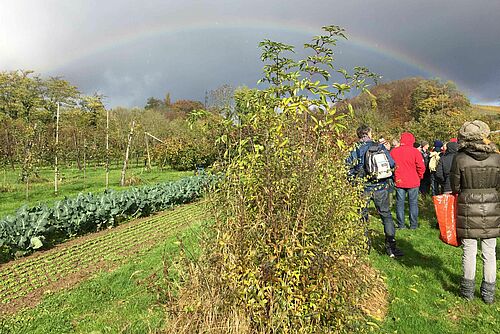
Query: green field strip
(124, 237)
(130, 230)
(71, 264)
(115, 246)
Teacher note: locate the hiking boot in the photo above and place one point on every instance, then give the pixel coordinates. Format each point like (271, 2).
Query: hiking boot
(488, 292)
(391, 249)
(467, 287)
(397, 252)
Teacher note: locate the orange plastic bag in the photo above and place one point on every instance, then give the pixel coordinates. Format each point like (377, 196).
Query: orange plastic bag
(446, 213)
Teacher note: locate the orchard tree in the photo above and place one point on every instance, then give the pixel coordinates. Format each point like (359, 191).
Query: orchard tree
(94, 106)
(59, 91)
(21, 94)
(186, 106)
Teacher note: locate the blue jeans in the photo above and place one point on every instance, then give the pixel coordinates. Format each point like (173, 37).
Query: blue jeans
(380, 198)
(400, 206)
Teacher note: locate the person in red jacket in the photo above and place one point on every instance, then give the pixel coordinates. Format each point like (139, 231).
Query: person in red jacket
(409, 171)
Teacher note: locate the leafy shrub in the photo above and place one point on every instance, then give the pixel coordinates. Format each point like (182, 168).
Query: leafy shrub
(438, 125)
(32, 228)
(186, 153)
(285, 253)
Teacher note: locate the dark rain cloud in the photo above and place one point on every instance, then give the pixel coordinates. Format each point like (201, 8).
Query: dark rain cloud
(452, 39)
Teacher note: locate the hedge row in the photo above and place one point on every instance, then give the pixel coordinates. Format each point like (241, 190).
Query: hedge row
(32, 228)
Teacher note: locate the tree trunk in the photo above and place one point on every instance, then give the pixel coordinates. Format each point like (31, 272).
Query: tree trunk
(77, 148)
(10, 149)
(122, 180)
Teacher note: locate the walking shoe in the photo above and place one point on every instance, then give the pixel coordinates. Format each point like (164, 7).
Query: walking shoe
(397, 252)
(391, 249)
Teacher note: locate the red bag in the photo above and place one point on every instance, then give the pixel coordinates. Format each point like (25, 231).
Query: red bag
(446, 213)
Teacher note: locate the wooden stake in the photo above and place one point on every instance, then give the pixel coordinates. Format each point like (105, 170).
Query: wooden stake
(56, 170)
(107, 149)
(122, 180)
(84, 158)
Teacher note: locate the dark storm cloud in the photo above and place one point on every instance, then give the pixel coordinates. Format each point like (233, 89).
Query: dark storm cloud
(454, 39)
(184, 65)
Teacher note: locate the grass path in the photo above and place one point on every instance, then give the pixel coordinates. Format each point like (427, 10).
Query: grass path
(424, 284)
(24, 282)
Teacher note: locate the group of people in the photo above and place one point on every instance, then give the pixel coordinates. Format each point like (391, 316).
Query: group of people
(468, 166)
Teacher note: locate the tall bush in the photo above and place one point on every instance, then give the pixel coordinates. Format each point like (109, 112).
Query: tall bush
(285, 253)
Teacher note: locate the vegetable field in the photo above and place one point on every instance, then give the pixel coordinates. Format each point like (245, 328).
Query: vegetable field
(72, 182)
(32, 228)
(24, 282)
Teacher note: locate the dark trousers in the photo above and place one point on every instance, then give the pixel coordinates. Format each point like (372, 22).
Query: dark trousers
(380, 198)
(425, 184)
(436, 188)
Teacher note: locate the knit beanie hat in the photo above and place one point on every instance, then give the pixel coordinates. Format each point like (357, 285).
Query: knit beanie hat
(437, 145)
(474, 131)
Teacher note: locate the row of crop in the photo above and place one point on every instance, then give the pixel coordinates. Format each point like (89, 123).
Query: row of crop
(32, 228)
(22, 279)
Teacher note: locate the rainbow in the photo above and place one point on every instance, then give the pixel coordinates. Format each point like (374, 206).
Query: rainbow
(151, 30)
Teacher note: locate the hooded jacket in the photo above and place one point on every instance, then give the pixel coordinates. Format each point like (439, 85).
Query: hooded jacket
(475, 176)
(410, 167)
(444, 166)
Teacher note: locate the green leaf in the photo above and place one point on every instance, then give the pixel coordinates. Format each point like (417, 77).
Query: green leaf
(36, 243)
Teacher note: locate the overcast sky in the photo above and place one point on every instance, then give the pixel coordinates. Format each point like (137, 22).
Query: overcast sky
(130, 50)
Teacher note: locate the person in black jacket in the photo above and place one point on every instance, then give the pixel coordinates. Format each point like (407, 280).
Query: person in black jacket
(444, 167)
(377, 189)
(475, 177)
(425, 183)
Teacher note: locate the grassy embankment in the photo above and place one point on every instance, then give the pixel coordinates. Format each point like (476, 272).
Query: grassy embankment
(493, 111)
(41, 189)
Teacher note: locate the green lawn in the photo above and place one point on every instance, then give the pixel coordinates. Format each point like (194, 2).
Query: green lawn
(423, 285)
(13, 193)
